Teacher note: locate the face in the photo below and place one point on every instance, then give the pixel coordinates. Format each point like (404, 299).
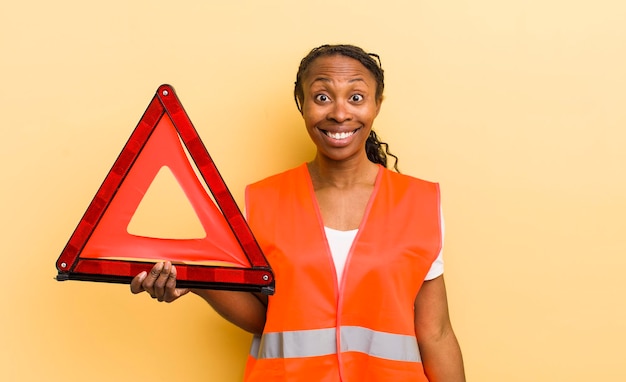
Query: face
(339, 106)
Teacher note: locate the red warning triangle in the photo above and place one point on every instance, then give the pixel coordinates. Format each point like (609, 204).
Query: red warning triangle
(102, 249)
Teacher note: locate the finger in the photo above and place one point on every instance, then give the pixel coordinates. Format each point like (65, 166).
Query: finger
(161, 281)
(170, 284)
(171, 292)
(135, 284)
(148, 282)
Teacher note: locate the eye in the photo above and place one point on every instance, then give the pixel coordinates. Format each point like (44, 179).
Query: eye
(322, 98)
(356, 98)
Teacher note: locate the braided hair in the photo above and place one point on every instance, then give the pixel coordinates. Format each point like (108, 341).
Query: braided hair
(376, 150)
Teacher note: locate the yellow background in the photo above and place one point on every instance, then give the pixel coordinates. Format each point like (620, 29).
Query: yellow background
(516, 107)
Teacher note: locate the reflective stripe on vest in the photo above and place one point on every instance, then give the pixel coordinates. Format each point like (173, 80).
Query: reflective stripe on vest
(320, 342)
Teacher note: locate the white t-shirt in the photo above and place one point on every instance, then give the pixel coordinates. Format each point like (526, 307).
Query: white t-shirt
(341, 241)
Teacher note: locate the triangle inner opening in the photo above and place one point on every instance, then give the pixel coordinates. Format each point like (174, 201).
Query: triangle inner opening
(165, 211)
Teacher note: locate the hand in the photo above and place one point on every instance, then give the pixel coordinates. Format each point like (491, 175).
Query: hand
(160, 283)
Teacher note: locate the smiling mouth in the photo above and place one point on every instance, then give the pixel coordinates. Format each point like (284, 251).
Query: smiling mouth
(340, 135)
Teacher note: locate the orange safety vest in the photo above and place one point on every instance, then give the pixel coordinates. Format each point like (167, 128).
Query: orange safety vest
(363, 329)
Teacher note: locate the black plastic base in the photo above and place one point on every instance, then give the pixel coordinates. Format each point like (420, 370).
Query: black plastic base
(264, 289)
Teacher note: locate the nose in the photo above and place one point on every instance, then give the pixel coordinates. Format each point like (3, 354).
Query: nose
(339, 112)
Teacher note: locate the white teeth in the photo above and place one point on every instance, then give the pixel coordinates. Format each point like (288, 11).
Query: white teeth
(342, 135)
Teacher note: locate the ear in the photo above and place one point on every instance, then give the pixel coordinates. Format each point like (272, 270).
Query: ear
(378, 105)
(299, 105)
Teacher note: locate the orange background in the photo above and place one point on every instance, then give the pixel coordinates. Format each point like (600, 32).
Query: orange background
(516, 108)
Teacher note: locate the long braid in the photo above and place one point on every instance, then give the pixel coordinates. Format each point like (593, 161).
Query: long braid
(377, 151)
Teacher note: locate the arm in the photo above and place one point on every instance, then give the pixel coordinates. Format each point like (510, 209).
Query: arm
(441, 354)
(244, 309)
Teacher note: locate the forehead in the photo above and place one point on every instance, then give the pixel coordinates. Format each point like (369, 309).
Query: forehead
(337, 67)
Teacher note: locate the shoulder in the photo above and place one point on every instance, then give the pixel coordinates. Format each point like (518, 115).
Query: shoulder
(264, 196)
(403, 180)
(279, 180)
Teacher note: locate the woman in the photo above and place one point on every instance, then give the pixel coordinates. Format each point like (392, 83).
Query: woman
(355, 249)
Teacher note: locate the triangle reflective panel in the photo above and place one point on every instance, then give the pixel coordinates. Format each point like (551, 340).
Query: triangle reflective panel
(222, 252)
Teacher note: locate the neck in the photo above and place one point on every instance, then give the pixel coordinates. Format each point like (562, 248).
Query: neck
(342, 174)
